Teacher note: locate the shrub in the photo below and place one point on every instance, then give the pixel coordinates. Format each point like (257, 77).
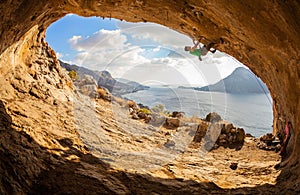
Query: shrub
(145, 110)
(70, 84)
(74, 75)
(104, 93)
(159, 108)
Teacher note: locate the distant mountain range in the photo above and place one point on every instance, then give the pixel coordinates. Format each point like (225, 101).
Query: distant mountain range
(240, 81)
(104, 79)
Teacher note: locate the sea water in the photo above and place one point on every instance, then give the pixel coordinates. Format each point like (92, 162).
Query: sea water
(253, 112)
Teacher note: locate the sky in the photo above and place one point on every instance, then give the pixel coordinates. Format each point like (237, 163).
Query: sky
(148, 53)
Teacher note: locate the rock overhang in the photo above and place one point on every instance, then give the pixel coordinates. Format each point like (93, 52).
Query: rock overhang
(262, 35)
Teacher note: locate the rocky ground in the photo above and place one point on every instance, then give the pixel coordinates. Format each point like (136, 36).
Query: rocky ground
(41, 150)
(60, 141)
(133, 146)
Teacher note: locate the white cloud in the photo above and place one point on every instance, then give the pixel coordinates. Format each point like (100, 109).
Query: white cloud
(59, 55)
(123, 57)
(156, 49)
(101, 40)
(158, 33)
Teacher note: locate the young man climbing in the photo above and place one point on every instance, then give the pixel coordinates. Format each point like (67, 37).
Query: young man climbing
(202, 51)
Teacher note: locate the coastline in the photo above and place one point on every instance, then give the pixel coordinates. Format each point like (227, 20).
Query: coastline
(252, 112)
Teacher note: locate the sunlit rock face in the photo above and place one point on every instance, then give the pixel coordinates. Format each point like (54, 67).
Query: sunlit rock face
(36, 95)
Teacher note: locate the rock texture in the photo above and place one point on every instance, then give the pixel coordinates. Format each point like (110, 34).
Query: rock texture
(39, 141)
(219, 133)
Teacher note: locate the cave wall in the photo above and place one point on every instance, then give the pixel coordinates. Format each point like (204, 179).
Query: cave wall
(264, 35)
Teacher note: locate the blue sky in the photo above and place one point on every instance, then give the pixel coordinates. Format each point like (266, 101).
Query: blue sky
(59, 33)
(142, 52)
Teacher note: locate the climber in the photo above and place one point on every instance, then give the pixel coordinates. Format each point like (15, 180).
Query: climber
(202, 51)
(287, 132)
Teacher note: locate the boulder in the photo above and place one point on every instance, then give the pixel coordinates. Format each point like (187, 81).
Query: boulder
(147, 119)
(240, 135)
(172, 123)
(131, 111)
(213, 117)
(269, 142)
(201, 131)
(132, 104)
(134, 116)
(142, 115)
(157, 119)
(176, 114)
(88, 90)
(103, 93)
(233, 131)
(87, 80)
(231, 136)
(211, 136)
(88, 86)
(267, 137)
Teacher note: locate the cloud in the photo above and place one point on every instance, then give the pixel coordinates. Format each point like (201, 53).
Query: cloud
(59, 55)
(101, 40)
(157, 33)
(125, 52)
(157, 49)
(106, 50)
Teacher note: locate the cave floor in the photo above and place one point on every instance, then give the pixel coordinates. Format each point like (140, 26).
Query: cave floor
(135, 147)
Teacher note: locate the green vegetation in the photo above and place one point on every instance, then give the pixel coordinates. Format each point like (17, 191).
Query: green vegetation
(74, 75)
(159, 108)
(145, 110)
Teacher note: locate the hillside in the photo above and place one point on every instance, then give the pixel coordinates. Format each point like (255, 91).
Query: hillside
(240, 81)
(105, 79)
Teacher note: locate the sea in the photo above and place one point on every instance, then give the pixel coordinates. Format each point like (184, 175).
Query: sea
(253, 112)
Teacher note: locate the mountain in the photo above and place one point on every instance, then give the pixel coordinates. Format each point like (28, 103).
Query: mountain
(105, 79)
(241, 81)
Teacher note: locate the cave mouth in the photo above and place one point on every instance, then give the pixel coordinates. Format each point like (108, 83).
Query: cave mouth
(146, 53)
(30, 147)
(90, 46)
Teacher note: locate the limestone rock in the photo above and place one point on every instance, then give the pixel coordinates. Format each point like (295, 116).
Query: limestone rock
(261, 34)
(213, 117)
(142, 115)
(221, 134)
(269, 142)
(201, 131)
(103, 93)
(88, 86)
(267, 137)
(172, 123)
(240, 135)
(134, 116)
(148, 118)
(87, 80)
(177, 114)
(157, 119)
